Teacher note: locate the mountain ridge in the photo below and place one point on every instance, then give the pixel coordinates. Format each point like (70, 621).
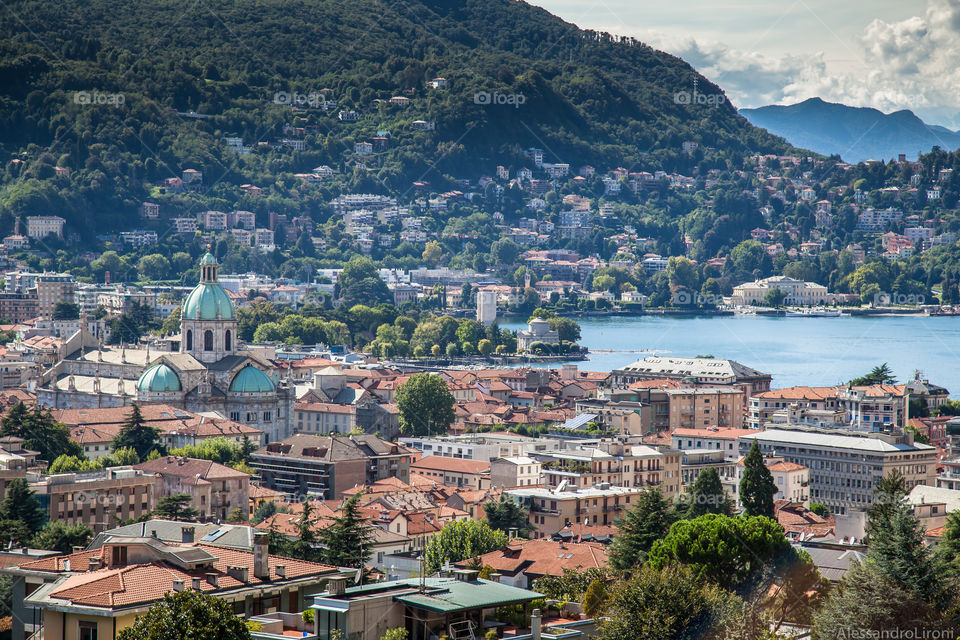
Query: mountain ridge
(854, 133)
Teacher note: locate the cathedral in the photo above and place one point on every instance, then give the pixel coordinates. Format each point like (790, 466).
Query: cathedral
(205, 371)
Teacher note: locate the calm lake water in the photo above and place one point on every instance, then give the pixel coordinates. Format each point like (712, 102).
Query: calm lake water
(810, 351)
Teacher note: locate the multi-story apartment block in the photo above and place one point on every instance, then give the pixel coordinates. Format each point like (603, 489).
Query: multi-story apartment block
(212, 220)
(791, 479)
(326, 466)
(139, 238)
(98, 498)
(706, 371)
(454, 472)
(845, 468)
(705, 407)
(185, 225)
(482, 446)
(515, 471)
(216, 490)
(713, 439)
(324, 417)
(552, 510)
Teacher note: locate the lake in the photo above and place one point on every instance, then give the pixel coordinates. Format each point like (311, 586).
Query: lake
(795, 351)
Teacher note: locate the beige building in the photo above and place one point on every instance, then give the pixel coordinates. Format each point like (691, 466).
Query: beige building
(99, 498)
(454, 472)
(552, 510)
(705, 407)
(797, 292)
(518, 471)
(216, 490)
(791, 479)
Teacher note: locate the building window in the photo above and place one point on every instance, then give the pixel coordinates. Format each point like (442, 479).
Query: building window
(119, 555)
(208, 340)
(189, 340)
(88, 630)
(226, 341)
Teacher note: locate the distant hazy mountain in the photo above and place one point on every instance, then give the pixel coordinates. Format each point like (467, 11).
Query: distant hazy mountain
(855, 133)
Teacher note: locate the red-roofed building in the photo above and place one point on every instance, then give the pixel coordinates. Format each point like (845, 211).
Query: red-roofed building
(455, 472)
(216, 490)
(95, 593)
(523, 561)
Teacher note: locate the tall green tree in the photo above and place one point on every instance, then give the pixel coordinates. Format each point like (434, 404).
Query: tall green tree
(757, 487)
(897, 550)
(425, 404)
(187, 615)
(138, 435)
(60, 536)
(868, 604)
(40, 432)
(880, 374)
(706, 495)
(646, 522)
(348, 540)
(887, 498)
(669, 603)
(504, 514)
(20, 503)
(462, 540)
(176, 507)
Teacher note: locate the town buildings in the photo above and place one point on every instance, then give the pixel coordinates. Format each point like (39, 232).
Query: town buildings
(553, 509)
(845, 469)
(216, 490)
(327, 466)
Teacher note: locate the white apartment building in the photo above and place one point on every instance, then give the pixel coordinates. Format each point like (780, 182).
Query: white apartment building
(515, 471)
(482, 446)
(845, 469)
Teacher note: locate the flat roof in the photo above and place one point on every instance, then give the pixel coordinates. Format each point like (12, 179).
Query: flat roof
(836, 441)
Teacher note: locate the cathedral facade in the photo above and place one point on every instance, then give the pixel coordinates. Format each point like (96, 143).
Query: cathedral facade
(208, 373)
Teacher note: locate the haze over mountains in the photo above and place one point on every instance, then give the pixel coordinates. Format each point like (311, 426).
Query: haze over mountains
(854, 133)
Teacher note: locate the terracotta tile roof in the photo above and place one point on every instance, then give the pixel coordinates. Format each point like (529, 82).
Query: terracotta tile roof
(458, 465)
(143, 583)
(256, 491)
(724, 433)
(545, 557)
(190, 468)
(799, 393)
(785, 466)
(659, 383)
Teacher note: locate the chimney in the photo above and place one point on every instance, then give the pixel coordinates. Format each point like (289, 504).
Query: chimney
(153, 533)
(212, 578)
(261, 555)
(281, 570)
(237, 573)
(197, 581)
(337, 586)
(186, 534)
(66, 565)
(465, 575)
(535, 621)
(178, 585)
(495, 577)
(93, 564)
(77, 549)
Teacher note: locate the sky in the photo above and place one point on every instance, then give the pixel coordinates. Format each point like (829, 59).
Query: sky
(886, 54)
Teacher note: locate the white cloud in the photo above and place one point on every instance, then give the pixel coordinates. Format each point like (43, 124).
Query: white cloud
(906, 64)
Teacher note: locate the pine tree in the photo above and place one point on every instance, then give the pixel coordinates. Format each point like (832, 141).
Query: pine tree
(595, 598)
(887, 497)
(137, 435)
(648, 521)
(176, 507)
(897, 551)
(757, 487)
(40, 432)
(706, 496)
(348, 541)
(20, 504)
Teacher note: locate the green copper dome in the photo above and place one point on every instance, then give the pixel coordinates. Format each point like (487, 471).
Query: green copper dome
(208, 259)
(251, 379)
(207, 301)
(158, 377)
